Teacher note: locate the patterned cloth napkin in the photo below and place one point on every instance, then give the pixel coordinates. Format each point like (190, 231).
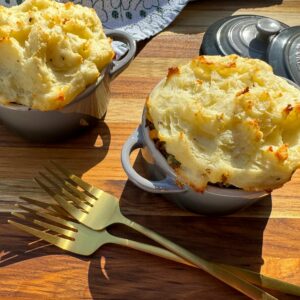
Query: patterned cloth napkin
(141, 18)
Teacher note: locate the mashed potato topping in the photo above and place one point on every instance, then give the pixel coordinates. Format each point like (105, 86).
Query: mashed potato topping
(49, 52)
(228, 120)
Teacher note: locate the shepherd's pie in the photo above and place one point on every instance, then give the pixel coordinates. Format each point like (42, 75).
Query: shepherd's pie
(49, 52)
(228, 120)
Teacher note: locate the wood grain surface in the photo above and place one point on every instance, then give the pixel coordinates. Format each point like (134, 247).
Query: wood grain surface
(265, 237)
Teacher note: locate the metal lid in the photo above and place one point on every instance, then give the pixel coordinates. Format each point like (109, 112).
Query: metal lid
(284, 54)
(245, 35)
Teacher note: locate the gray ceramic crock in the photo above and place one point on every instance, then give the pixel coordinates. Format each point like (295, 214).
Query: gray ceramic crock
(213, 201)
(81, 113)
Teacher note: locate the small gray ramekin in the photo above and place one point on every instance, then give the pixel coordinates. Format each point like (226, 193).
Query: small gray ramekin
(81, 113)
(213, 201)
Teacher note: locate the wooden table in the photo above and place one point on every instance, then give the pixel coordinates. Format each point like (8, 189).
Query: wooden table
(264, 237)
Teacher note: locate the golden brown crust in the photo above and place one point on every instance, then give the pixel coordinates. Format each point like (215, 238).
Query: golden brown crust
(243, 91)
(68, 5)
(282, 153)
(172, 72)
(288, 109)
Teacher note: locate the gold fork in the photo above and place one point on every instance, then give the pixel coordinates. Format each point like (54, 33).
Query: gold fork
(77, 238)
(97, 209)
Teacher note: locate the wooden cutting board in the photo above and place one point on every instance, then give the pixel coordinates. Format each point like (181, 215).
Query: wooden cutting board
(265, 237)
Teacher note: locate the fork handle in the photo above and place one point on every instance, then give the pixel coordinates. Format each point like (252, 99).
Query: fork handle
(248, 275)
(243, 286)
(153, 250)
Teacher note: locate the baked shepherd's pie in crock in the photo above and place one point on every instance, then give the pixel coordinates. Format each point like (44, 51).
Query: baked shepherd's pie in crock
(49, 53)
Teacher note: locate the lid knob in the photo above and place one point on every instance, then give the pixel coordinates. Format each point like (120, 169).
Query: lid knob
(267, 27)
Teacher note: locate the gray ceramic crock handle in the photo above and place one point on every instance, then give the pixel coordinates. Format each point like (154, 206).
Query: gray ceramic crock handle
(167, 185)
(122, 36)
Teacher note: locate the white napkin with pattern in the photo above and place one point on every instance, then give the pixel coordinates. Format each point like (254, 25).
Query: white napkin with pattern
(141, 18)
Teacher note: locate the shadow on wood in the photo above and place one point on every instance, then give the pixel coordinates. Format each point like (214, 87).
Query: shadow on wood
(86, 149)
(235, 240)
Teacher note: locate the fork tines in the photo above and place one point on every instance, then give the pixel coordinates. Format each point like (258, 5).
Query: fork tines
(86, 187)
(49, 226)
(67, 195)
